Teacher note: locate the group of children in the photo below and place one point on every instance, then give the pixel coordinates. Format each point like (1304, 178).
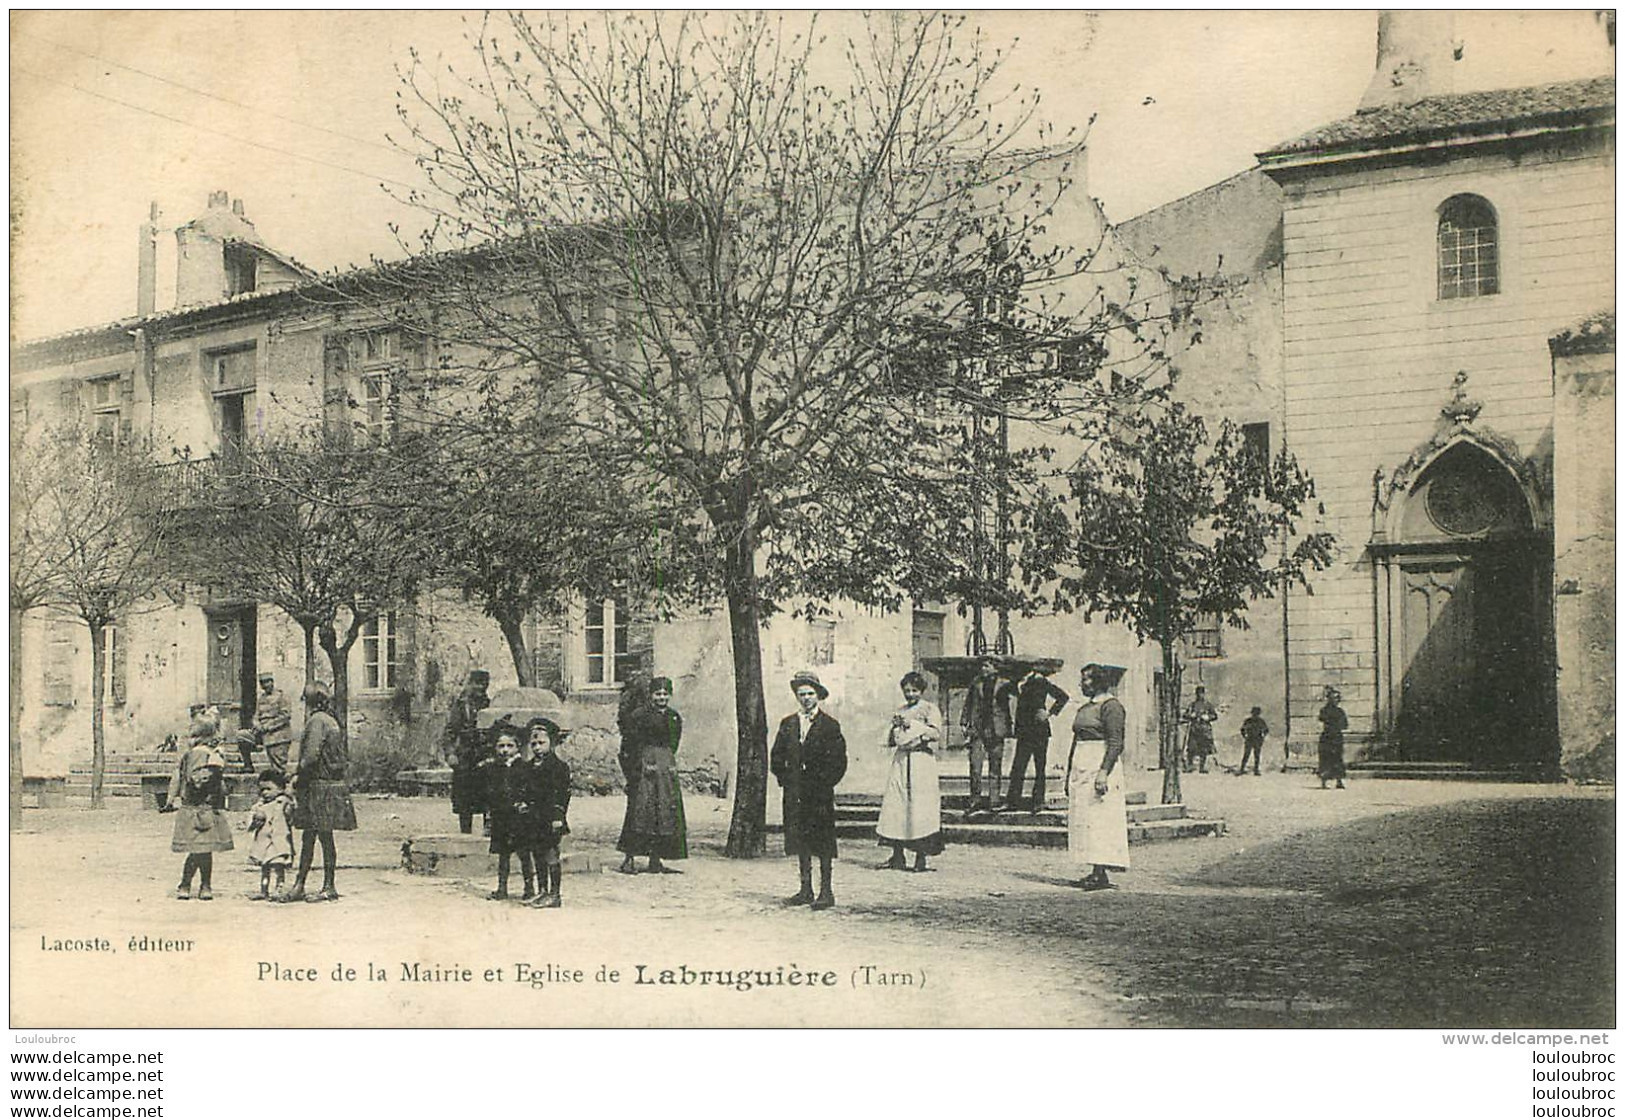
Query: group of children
(530, 802)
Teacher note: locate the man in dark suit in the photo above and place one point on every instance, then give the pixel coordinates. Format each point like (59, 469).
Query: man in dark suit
(809, 759)
(1037, 699)
(986, 721)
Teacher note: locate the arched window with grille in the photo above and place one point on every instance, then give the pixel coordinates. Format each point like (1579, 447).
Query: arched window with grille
(1469, 251)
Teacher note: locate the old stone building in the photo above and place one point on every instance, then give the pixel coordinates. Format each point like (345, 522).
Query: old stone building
(250, 345)
(1412, 282)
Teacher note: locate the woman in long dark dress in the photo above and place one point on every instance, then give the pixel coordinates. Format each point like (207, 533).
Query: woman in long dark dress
(654, 826)
(1333, 722)
(634, 698)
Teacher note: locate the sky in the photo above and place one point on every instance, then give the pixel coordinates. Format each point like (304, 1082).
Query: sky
(291, 112)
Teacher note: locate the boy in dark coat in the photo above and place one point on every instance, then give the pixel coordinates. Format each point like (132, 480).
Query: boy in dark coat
(1253, 733)
(550, 801)
(809, 759)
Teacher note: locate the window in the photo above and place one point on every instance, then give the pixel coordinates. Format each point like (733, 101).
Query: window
(609, 657)
(821, 632)
(237, 416)
(1255, 441)
(1468, 260)
(106, 409)
(378, 652)
(240, 269)
(232, 370)
(1206, 640)
(376, 358)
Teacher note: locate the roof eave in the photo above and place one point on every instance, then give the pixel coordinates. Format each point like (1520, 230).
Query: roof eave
(1274, 161)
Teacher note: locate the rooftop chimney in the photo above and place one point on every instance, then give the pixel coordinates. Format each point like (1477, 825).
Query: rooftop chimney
(1415, 53)
(146, 267)
(219, 200)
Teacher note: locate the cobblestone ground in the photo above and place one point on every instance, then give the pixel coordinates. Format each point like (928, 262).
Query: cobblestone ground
(1390, 903)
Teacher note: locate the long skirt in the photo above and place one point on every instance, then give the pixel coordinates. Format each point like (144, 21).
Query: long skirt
(469, 791)
(200, 828)
(654, 824)
(323, 806)
(1331, 757)
(1097, 824)
(911, 811)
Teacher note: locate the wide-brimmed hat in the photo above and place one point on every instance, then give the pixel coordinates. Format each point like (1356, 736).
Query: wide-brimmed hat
(479, 676)
(1109, 675)
(267, 676)
(318, 689)
(808, 677)
(203, 728)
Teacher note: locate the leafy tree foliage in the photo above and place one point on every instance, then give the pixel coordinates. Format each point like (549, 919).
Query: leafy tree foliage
(1171, 526)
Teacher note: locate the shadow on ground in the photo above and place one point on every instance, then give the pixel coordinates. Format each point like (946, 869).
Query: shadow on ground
(1485, 913)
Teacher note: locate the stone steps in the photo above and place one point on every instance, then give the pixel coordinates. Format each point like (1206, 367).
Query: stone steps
(1441, 772)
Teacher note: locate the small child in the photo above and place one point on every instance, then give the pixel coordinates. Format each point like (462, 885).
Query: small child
(1253, 733)
(511, 812)
(550, 793)
(272, 847)
(197, 794)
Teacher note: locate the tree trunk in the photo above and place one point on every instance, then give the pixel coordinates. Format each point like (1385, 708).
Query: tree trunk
(16, 714)
(310, 649)
(747, 832)
(1169, 747)
(338, 660)
(98, 742)
(513, 629)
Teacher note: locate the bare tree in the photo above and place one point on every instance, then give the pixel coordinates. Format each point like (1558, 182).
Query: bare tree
(734, 246)
(100, 521)
(35, 579)
(332, 533)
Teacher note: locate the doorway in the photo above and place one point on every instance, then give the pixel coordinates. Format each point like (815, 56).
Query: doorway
(232, 636)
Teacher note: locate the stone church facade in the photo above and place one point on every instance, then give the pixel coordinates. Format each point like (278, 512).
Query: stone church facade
(1424, 303)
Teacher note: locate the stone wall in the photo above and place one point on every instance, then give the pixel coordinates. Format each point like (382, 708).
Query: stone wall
(1584, 556)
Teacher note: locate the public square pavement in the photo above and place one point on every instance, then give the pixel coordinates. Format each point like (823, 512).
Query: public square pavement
(1391, 903)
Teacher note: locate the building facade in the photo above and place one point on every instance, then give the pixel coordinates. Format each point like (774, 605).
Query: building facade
(1412, 279)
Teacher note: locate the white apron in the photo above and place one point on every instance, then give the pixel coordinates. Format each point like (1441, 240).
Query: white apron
(912, 806)
(1097, 825)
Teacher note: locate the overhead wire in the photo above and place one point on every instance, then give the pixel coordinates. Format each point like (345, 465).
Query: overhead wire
(15, 69)
(211, 95)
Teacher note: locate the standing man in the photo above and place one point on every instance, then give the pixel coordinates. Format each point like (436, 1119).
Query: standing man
(464, 747)
(1037, 699)
(809, 759)
(986, 721)
(273, 723)
(1253, 732)
(1201, 715)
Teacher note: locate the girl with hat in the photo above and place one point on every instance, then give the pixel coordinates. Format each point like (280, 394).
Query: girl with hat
(1097, 813)
(322, 803)
(911, 811)
(197, 795)
(808, 759)
(654, 824)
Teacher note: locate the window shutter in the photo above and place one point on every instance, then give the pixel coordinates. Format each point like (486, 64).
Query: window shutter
(59, 656)
(72, 399)
(120, 658)
(335, 386)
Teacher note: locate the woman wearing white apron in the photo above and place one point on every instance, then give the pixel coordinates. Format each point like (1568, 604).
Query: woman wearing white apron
(1097, 815)
(911, 812)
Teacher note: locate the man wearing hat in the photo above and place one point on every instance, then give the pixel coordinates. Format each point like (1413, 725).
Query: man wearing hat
(273, 724)
(809, 759)
(986, 722)
(463, 746)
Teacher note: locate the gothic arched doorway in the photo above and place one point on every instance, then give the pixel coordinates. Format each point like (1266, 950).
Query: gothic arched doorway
(1465, 620)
